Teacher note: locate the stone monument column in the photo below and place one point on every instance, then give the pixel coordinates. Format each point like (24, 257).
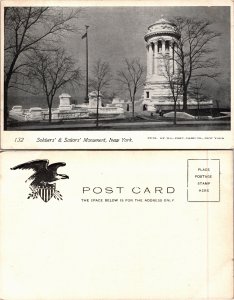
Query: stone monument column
(155, 57)
(162, 38)
(147, 55)
(175, 64)
(150, 59)
(156, 88)
(163, 47)
(171, 55)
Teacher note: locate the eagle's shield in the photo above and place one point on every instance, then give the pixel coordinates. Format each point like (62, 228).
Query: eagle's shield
(46, 191)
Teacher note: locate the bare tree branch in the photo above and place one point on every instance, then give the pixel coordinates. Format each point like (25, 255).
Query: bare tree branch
(51, 71)
(132, 77)
(25, 28)
(194, 51)
(174, 81)
(100, 81)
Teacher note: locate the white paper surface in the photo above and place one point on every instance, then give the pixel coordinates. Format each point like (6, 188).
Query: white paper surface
(144, 240)
(150, 138)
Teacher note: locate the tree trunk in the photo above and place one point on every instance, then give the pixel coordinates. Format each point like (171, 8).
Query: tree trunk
(6, 88)
(218, 109)
(198, 109)
(50, 113)
(133, 108)
(5, 105)
(185, 98)
(174, 112)
(97, 112)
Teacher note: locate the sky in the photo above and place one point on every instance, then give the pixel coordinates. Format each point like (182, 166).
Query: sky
(116, 33)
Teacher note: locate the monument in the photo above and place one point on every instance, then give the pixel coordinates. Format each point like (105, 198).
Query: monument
(161, 43)
(65, 102)
(66, 110)
(92, 97)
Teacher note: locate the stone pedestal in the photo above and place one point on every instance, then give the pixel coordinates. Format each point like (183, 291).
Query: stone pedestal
(65, 107)
(17, 109)
(93, 99)
(35, 113)
(64, 101)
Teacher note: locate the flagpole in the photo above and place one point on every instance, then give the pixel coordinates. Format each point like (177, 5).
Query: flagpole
(87, 72)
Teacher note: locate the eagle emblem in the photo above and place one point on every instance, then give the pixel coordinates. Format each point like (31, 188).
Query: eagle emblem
(43, 179)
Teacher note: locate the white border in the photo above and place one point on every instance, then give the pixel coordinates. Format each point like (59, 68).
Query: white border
(140, 139)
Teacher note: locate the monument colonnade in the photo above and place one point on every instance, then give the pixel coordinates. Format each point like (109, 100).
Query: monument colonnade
(156, 51)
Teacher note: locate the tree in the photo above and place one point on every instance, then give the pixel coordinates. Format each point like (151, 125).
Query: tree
(196, 88)
(132, 77)
(101, 78)
(24, 29)
(221, 94)
(51, 71)
(174, 82)
(194, 54)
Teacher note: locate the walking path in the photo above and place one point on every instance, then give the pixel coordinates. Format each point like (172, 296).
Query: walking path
(156, 125)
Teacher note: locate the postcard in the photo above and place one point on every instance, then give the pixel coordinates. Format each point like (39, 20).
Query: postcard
(116, 225)
(116, 74)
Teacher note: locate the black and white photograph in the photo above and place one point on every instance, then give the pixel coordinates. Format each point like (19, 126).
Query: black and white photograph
(117, 68)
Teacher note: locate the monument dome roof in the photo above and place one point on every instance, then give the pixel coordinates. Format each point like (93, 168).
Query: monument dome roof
(161, 27)
(162, 20)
